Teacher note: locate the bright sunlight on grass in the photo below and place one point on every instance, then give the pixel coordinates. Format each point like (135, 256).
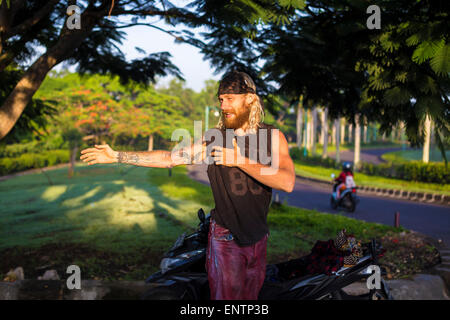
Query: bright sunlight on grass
(115, 222)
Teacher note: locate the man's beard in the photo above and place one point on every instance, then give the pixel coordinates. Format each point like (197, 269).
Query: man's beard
(238, 121)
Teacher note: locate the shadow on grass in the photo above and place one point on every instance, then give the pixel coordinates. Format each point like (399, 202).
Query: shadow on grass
(111, 221)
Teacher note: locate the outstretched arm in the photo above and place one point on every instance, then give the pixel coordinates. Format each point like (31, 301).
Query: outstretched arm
(155, 159)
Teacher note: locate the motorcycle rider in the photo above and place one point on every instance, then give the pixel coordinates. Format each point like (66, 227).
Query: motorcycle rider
(344, 180)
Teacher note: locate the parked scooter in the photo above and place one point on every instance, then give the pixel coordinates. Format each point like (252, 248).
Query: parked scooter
(348, 198)
(182, 274)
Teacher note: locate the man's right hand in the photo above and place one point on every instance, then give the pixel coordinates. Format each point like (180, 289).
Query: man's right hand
(99, 154)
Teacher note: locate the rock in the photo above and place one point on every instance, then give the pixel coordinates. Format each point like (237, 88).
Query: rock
(420, 287)
(50, 275)
(14, 275)
(9, 290)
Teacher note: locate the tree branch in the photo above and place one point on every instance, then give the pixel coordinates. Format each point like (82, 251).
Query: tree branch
(21, 28)
(151, 26)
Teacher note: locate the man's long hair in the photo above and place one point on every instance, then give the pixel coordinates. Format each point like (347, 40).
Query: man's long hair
(255, 117)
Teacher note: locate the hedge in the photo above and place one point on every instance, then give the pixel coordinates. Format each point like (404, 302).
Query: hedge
(410, 171)
(33, 160)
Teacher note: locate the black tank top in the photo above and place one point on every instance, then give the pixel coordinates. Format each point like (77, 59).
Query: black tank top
(241, 202)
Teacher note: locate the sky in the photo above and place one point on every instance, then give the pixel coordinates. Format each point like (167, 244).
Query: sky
(186, 57)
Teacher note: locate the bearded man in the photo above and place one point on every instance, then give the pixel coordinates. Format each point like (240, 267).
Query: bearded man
(241, 179)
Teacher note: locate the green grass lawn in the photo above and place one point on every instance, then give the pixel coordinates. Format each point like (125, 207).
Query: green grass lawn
(414, 155)
(115, 222)
(321, 173)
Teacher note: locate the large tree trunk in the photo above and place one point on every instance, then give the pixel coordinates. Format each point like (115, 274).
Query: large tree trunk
(32, 79)
(426, 142)
(337, 123)
(21, 95)
(324, 133)
(150, 142)
(357, 150)
(299, 124)
(342, 136)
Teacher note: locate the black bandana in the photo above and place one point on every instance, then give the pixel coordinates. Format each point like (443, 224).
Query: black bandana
(236, 82)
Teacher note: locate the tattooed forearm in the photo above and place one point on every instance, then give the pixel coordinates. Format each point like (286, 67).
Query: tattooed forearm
(157, 158)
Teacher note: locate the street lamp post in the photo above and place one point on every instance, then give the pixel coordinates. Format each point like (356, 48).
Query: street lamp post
(207, 109)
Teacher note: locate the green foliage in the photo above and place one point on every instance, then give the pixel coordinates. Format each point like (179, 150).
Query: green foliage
(27, 161)
(322, 173)
(34, 146)
(96, 48)
(328, 56)
(103, 108)
(409, 171)
(8, 3)
(297, 155)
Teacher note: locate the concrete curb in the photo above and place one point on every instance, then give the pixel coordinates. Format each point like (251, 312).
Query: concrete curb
(30, 289)
(421, 287)
(396, 193)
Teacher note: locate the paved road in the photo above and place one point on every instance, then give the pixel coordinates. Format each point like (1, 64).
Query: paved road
(367, 155)
(432, 220)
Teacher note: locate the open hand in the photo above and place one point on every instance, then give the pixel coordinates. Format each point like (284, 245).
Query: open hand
(99, 154)
(226, 156)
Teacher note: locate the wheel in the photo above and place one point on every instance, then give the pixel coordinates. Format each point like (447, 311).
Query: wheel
(333, 203)
(167, 293)
(351, 206)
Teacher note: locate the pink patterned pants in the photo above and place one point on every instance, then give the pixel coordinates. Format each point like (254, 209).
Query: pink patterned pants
(234, 272)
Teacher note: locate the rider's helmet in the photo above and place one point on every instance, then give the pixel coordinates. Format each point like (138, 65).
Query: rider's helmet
(347, 167)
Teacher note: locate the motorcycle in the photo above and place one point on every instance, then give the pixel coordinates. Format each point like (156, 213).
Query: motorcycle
(348, 198)
(182, 274)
